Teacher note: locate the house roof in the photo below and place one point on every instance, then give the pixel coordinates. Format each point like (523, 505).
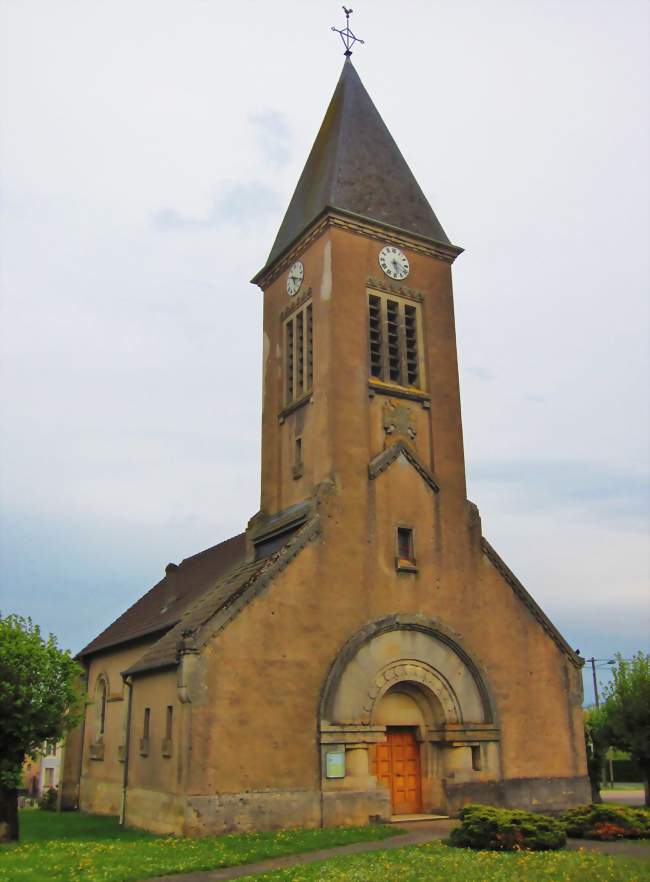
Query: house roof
(356, 166)
(162, 607)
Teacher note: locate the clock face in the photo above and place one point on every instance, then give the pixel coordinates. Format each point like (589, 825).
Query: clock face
(394, 262)
(295, 277)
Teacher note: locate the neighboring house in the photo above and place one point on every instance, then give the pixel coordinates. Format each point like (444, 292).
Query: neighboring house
(43, 770)
(51, 764)
(32, 775)
(361, 650)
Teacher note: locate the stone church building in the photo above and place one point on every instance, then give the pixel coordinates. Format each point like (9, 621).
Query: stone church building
(361, 651)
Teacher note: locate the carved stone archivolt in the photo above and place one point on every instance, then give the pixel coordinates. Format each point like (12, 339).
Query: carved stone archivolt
(414, 672)
(421, 660)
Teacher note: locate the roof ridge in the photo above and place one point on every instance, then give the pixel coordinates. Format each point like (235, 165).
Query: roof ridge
(162, 605)
(211, 548)
(171, 645)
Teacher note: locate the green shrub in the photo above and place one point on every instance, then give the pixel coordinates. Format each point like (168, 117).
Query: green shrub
(47, 800)
(606, 822)
(486, 827)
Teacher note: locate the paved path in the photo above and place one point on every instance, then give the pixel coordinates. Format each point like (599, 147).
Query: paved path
(623, 797)
(418, 833)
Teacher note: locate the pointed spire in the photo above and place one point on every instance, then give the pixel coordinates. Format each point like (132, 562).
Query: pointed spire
(356, 166)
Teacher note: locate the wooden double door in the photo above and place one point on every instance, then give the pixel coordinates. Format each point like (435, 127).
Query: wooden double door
(397, 766)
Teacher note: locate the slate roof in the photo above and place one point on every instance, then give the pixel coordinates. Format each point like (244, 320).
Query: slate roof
(355, 165)
(162, 607)
(217, 606)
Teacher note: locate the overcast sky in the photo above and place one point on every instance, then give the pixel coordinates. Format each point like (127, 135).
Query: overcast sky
(148, 151)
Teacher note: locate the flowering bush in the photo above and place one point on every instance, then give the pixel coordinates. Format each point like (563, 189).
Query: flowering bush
(606, 822)
(486, 827)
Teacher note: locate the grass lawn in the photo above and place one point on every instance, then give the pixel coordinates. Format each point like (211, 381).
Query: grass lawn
(436, 862)
(76, 847)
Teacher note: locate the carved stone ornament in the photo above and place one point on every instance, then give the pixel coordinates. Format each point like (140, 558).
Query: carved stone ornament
(399, 422)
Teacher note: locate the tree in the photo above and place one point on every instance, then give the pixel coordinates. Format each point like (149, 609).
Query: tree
(627, 710)
(596, 742)
(40, 700)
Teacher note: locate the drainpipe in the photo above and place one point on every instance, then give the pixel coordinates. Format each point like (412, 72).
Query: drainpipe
(127, 740)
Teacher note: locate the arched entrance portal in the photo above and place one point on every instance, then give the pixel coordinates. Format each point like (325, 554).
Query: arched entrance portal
(411, 712)
(397, 762)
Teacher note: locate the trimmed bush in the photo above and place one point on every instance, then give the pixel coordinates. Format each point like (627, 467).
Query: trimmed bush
(48, 800)
(606, 822)
(488, 828)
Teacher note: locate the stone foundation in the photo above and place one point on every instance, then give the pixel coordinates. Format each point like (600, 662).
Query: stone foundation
(103, 797)
(252, 810)
(153, 810)
(350, 807)
(531, 794)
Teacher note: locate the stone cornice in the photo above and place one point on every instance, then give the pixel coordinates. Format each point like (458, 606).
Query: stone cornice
(392, 288)
(299, 302)
(338, 218)
(537, 612)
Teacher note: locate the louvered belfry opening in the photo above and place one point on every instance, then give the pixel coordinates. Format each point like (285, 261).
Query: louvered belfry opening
(411, 345)
(393, 340)
(298, 354)
(374, 319)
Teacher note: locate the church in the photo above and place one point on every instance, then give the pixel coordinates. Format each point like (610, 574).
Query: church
(360, 651)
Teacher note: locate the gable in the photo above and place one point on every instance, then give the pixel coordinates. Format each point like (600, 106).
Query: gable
(384, 460)
(529, 602)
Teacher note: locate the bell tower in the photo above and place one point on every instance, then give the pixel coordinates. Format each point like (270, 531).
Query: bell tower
(359, 340)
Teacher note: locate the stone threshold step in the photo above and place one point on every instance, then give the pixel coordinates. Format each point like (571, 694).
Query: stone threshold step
(396, 819)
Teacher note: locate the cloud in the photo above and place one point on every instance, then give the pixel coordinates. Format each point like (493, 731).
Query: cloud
(480, 373)
(273, 135)
(238, 204)
(599, 491)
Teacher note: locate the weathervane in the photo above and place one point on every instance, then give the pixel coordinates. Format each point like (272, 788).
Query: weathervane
(346, 34)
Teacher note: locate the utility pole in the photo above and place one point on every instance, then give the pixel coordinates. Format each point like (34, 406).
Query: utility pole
(592, 661)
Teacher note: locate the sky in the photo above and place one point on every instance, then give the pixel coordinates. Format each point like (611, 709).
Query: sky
(148, 150)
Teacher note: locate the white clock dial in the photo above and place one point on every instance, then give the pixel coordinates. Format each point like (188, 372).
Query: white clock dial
(295, 277)
(394, 262)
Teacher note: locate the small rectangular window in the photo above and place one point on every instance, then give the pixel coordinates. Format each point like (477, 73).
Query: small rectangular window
(169, 721)
(405, 548)
(394, 340)
(146, 722)
(476, 757)
(298, 354)
(297, 468)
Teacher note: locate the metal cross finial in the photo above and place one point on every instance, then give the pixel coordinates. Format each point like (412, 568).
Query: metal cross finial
(346, 34)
